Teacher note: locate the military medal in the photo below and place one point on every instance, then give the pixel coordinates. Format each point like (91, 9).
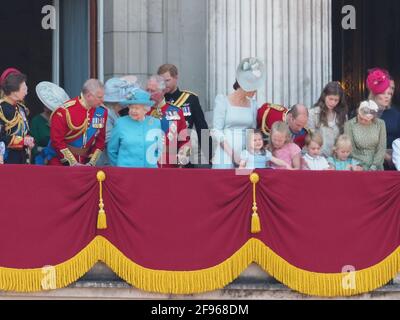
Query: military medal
(176, 116)
(98, 122)
(169, 116)
(186, 110)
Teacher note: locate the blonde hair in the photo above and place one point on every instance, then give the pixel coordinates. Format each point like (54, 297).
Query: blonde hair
(314, 137)
(341, 142)
(281, 127)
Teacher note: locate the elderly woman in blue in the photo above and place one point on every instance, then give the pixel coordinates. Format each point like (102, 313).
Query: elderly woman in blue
(136, 140)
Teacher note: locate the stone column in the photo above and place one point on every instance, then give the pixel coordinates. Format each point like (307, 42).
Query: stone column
(292, 37)
(126, 38)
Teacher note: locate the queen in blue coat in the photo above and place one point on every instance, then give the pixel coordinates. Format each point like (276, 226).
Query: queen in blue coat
(136, 140)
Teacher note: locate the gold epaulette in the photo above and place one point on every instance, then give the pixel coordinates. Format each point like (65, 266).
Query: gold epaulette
(9, 124)
(182, 99)
(277, 107)
(57, 111)
(69, 104)
(190, 92)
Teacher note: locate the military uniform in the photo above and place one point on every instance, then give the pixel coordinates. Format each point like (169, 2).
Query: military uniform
(268, 114)
(77, 134)
(14, 128)
(189, 103)
(173, 124)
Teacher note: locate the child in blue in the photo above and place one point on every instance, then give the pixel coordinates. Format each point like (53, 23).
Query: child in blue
(2, 152)
(257, 156)
(341, 159)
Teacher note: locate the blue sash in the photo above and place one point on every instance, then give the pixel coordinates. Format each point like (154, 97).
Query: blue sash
(97, 123)
(165, 123)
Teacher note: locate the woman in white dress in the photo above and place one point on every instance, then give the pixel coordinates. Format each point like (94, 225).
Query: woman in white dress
(235, 114)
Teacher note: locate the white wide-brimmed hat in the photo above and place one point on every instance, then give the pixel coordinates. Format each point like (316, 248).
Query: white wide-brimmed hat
(51, 95)
(250, 74)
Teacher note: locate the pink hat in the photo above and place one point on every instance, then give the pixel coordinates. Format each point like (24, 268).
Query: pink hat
(378, 81)
(6, 73)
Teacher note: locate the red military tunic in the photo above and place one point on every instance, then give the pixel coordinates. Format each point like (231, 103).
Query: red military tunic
(176, 137)
(77, 134)
(268, 114)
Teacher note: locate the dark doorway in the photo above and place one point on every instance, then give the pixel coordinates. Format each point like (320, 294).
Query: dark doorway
(25, 45)
(375, 43)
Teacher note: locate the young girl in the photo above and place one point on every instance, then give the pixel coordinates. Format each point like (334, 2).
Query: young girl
(329, 115)
(282, 146)
(313, 159)
(341, 159)
(256, 156)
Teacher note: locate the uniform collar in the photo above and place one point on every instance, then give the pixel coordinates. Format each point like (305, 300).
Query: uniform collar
(175, 95)
(5, 99)
(161, 104)
(83, 102)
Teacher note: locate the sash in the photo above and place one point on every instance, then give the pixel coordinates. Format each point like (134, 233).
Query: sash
(96, 124)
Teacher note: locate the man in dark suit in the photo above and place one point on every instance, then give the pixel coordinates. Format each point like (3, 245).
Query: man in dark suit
(188, 102)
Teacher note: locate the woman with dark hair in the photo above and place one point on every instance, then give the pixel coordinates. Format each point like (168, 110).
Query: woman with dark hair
(329, 115)
(14, 126)
(235, 113)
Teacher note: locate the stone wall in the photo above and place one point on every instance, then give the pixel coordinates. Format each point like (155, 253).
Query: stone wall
(140, 35)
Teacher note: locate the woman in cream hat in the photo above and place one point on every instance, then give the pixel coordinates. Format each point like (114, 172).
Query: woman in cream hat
(368, 136)
(236, 113)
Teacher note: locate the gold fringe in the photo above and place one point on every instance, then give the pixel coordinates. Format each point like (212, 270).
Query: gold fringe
(64, 274)
(326, 284)
(199, 281)
(177, 282)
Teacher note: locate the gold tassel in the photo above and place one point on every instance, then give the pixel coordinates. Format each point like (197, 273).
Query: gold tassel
(101, 218)
(255, 218)
(255, 223)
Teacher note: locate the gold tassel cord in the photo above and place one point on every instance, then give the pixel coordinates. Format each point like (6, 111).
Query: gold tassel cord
(101, 218)
(255, 219)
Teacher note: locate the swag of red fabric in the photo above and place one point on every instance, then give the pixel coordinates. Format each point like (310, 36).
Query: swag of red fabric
(184, 220)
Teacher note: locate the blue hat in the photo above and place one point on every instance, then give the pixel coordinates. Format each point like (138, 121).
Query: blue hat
(113, 90)
(137, 96)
